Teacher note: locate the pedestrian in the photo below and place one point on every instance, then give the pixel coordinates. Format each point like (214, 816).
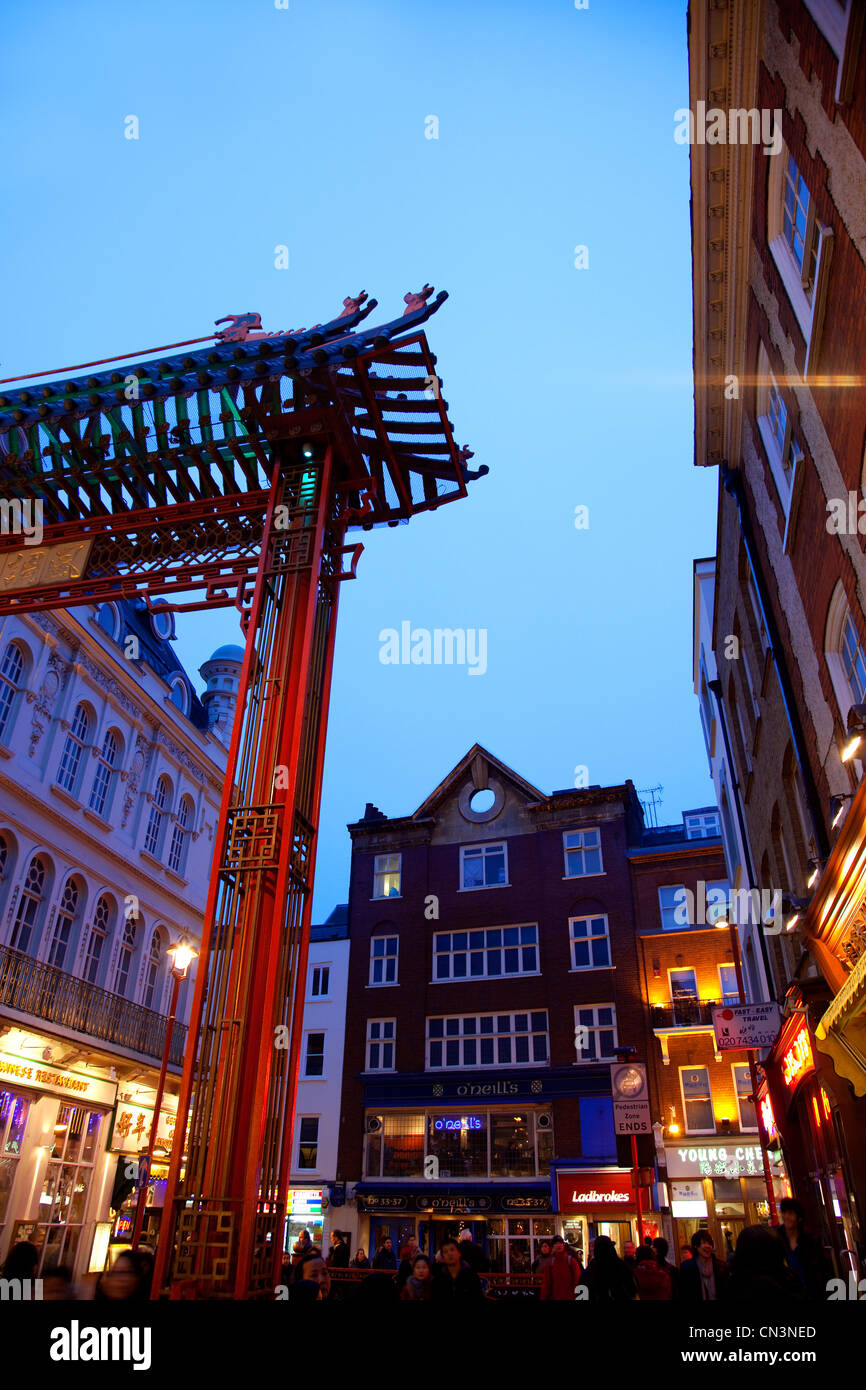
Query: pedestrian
(22, 1261)
(338, 1255)
(759, 1273)
(628, 1252)
(419, 1286)
(472, 1253)
(607, 1277)
(301, 1246)
(543, 1258)
(408, 1253)
(455, 1280)
(685, 1254)
(384, 1257)
(661, 1248)
(57, 1284)
(803, 1253)
(653, 1282)
(561, 1274)
(360, 1261)
(311, 1268)
(703, 1278)
(127, 1281)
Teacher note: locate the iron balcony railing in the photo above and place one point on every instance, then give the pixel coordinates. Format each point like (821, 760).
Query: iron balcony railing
(32, 987)
(686, 1013)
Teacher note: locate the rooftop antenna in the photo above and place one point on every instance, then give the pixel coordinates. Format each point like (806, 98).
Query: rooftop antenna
(651, 800)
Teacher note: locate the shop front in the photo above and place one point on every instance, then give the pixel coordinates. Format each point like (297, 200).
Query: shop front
(54, 1168)
(128, 1142)
(810, 1103)
(304, 1213)
(598, 1202)
(717, 1186)
(508, 1222)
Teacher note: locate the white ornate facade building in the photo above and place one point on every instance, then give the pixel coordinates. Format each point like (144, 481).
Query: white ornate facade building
(111, 773)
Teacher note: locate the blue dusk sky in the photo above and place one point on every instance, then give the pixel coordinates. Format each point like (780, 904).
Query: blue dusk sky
(304, 127)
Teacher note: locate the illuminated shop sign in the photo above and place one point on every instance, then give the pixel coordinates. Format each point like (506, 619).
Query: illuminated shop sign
(715, 1161)
(57, 1080)
(768, 1118)
(582, 1191)
(304, 1202)
(798, 1059)
(457, 1122)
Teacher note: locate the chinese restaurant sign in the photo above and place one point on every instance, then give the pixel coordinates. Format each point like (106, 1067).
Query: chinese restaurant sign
(132, 1128)
(714, 1161)
(36, 1076)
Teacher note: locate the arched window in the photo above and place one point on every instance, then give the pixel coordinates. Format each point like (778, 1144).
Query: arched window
(108, 619)
(180, 836)
(103, 780)
(73, 750)
(152, 971)
(29, 907)
(180, 694)
(160, 803)
(101, 928)
(11, 680)
(844, 653)
(64, 924)
(125, 957)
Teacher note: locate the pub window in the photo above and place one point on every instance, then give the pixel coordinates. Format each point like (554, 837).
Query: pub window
(486, 1040)
(488, 953)
(380, 1044)
(595, 1032)
(386, 876)
(582, 849)
(308, 1142)
(483, 866)
(697, 1100)
(590, 943)
(383, 960)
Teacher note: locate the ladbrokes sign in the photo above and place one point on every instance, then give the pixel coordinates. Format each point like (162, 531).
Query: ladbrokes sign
(579, 1190)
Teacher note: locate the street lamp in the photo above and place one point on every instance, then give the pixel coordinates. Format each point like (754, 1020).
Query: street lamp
(855, 730)
(182, 955)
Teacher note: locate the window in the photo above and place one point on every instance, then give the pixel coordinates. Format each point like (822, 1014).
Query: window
(673, 906)
(180, 836)
(380, 1044)
(590, 943)
(801, 247)
(73, 749)
(29, 904)
(125, 958)
(743, 1088)
(314, 1055)
(103, 922)
(11, 673)
(103, 779)
(728, 983)
(487, 1040)
(780, 446)
(701, 825)
(159, 802)
(595, 1032)
(483, 866)
(582, 850)
(308, 1141)
(798, 223)
(320, 982)
(151, 974)
(487, 953)
(718, 893)
(386, 876)
(853, 660)
(63, 1203)
(684, 984)
(108, 619)
(64, 922)
(844, 653)
(13, 1122)
(697, 1100)
(179, 695)
(470, 1142)
(383, 960)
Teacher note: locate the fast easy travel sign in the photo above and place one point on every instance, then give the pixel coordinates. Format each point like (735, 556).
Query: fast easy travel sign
(746, 1025)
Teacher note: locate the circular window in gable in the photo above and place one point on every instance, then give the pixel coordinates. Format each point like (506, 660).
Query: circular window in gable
(480, 804)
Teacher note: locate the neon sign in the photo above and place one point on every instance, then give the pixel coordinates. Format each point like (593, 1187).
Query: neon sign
(768, 1117)
(798, 1059)
(458, 1122)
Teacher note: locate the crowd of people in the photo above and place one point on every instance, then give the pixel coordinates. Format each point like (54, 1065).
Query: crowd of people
(128, 1280)
(769, 1265)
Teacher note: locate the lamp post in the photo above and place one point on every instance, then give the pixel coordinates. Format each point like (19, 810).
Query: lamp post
(183, 955)
(753, 1073)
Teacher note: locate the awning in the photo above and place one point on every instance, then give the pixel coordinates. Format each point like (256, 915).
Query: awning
(842, 1030)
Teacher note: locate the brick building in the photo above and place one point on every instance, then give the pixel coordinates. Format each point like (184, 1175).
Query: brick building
(493, 975)
(779, 245)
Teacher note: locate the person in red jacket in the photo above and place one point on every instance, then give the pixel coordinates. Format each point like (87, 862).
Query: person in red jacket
(653, 1282)
(560, 1276)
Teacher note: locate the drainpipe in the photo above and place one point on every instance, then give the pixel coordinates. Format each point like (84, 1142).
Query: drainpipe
(732, 481)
